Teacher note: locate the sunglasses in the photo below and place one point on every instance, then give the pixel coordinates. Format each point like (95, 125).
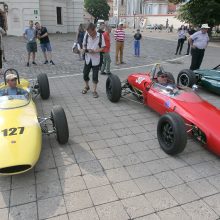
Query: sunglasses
(163, 76)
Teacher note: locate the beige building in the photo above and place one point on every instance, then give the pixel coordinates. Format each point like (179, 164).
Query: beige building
(57, 15)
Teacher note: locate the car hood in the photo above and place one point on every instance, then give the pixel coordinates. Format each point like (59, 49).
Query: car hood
(209, 74)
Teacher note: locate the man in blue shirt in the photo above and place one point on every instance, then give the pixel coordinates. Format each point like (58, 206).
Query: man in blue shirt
(30, 35)
(12, 89)
(198, 42)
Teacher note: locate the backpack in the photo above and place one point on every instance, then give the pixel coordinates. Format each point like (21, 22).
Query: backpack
(100, 46)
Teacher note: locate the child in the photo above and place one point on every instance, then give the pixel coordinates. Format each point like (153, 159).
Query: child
(137, 38)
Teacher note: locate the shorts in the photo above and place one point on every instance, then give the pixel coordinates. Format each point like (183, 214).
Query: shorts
(31, 47)
(95, 72)
(46, 47)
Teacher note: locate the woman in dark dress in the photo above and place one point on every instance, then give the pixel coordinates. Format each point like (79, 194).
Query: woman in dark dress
(181, 39)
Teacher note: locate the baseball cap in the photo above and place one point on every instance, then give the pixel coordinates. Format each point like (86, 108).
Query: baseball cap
(11, 76)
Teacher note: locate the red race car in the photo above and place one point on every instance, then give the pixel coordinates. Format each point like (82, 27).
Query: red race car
(183, 111)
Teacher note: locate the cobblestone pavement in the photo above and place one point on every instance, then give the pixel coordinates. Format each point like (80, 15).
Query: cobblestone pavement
(112, 168)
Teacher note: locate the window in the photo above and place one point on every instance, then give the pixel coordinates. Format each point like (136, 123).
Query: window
(59, 15)
(122, 2)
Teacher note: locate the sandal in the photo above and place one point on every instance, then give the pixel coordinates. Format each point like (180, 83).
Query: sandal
(95, 95)
(85, 90)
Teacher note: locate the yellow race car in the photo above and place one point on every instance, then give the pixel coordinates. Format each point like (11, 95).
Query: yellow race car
(21, 129)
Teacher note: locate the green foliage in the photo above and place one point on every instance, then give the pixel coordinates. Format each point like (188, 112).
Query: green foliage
(99, 9)
(199, 11)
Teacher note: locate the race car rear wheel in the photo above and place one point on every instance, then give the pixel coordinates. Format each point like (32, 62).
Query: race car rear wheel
(171, 133)
(60, 124)
(113, 88)
(43, 84)
(186, 78)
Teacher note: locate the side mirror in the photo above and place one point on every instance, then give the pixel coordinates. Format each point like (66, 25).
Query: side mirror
(195, 87)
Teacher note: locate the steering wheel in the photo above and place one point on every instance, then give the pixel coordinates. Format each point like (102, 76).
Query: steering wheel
(13, 71)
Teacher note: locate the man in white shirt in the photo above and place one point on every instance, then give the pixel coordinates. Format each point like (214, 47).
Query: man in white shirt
(93, 44)
(198, 42)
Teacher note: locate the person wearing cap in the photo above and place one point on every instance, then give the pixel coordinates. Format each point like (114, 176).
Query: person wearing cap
(198, 42)
(12, 88)
(137, 39)
(163, 79)
(119, 38)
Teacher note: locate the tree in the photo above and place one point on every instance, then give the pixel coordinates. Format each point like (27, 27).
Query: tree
(199, 11)
(99, 9)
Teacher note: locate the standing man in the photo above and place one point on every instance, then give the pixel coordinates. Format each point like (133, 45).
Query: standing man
(120, 38)
(93, 45)
(191, 31)
(198, 42)
(106, 52)
(42, 35)
(30, 36)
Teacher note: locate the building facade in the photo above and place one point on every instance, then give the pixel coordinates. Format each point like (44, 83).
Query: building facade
(57, 15)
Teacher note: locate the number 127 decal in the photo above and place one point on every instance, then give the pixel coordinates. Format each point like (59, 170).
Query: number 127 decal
(12, 131)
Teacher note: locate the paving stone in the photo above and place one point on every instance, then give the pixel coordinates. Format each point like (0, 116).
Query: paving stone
(174, 162)
(129, 139)
(65, 160)
(69, 171)
(161, 200)
(90, 167)
(121, 150)
(72, 184)
(24, 212)
(137, 206)
(187, 174)
(215, 180)
(84, 214)
(146, 156)
(60, 217)
(49, 189)
(138, 170)
(149, 217)
(102, 194)
(129, 159)
(103, 153)
(173, 214)
(97, 144)
(25, 179)
(114, 142)
(23, 195)
(4, 214)
(148, 184)
(202, 187)
(84, 156)
(112, 211)
(168, 179)
(47, 176)
(183, 193)
(4, 199)
(156, 166)
(122, 132)
(214, 202)
(199, 210)
(95, 179)
(110, 163)
(126, 189)
(138, 146)
(77, 200)
(51, 207)
(5, 183)
(117, 175)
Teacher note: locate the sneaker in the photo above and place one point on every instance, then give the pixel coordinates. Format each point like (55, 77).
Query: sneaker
(103, 73)
(28, 64)
(46, 62)
(34, 63)
(51, 62)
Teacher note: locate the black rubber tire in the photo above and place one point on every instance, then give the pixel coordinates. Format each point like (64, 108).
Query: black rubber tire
(60, 124)
(171, 133)
(186, 78)
(171, 77)
(113, 88)
(44, 87)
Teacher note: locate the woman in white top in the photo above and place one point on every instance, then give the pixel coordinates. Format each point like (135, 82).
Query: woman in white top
(181, 39)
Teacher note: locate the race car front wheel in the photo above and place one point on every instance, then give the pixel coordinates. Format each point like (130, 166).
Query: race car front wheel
(113, 88)
(186, 78)
(60, 124)
(43, 84)
(171, 133)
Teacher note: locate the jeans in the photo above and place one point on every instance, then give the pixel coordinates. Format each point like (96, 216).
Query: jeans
(137, 48)
(106, 63)
(180, 45)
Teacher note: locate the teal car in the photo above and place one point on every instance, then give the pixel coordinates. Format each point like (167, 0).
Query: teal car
(207, 78)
